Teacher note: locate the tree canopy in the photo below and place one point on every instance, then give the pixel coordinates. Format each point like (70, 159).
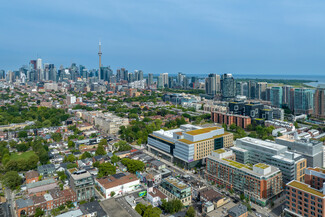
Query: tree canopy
(133, 165)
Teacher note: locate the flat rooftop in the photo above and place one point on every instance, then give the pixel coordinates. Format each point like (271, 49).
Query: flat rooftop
(317, 169)
(191, 142)
(264, 144)
(262, 166)
(305, 187)
(202, 131)
(176, 182)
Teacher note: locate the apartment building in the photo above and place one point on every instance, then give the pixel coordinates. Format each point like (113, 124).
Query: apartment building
(176, 189)
(304, 199)
(107, 122)
(253, 151)
(229, 119)
(260, 182)
(81, 182)
(189, 144)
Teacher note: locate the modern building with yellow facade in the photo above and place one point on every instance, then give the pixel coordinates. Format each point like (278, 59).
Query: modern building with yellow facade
(189, 144)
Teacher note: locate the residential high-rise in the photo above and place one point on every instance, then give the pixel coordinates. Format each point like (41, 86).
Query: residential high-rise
(286, 94)
(304, 101)
(276, 96)
(165, 79)
(140, 75)
(100, 60)
(160, 83)
(211, 85)
(251, 89)
(227, 86)
(261, 90)
(241, 88)
(319, 101)
(150, 79)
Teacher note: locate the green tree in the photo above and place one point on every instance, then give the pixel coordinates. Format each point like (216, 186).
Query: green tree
(22, 134)
(70, 158)
(122, 146)
(106, 169)
(190, 212)
(11, 180)
(296, 124)
(39, 212)
(71, 144)
(115, 159)
(242, 196)
(85, 155)
(56, 137)
(100, 148)
(172, 206)
(112, 193)
(133, 165)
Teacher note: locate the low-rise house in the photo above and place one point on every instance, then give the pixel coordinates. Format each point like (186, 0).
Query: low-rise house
(155, 197)
(46, 170)
(31, 176)
(120, 183)
(158, 165)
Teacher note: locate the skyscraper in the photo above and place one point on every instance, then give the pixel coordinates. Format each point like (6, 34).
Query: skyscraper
(286, 94)
(276, 96)
(211, 85)
(227, 86)
(261, 90)
(140, 76)
(319, 101)
(304, 101)
(100, 60)
(160, 83)
(165, 79)
(150, 79)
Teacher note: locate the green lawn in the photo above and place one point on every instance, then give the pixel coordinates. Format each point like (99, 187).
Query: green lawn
(25, 155)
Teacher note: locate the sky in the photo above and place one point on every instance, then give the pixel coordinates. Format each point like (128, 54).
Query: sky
(156, 36)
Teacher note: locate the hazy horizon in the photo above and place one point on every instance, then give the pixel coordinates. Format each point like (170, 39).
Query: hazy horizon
(193, 37)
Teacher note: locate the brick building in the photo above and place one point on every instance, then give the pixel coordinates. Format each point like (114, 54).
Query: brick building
(259, 183)
(48, 201)
(31, 176)
(229, 119)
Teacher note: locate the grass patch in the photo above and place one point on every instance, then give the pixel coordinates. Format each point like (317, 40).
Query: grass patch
(24, 155)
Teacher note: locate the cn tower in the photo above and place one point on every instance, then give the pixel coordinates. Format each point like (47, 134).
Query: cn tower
(100, 59)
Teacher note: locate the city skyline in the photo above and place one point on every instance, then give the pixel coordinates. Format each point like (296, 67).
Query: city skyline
(212, 37)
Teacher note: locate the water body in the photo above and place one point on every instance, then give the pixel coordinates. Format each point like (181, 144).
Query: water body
(319, 79)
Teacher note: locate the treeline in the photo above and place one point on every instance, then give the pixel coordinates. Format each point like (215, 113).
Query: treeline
(139, 130)
(43, 116)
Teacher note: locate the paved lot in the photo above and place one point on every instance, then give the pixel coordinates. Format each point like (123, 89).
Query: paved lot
(114, 208)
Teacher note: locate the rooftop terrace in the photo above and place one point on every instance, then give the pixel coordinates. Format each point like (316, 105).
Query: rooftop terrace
(179, 184)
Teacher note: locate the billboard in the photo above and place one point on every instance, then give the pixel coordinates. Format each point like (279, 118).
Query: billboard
(142, 193)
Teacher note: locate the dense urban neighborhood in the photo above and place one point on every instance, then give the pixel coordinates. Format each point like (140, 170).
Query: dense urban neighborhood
(125, 144)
